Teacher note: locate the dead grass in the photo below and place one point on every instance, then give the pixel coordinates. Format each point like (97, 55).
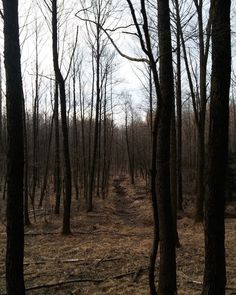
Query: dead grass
(113, 240)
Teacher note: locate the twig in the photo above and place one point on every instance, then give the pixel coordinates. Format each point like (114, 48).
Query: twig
(89, 233)
(62, 283)
(137, 274)
(73, 260)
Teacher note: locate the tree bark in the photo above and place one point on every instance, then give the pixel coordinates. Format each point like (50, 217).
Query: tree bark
(167, 274)
(215, 273)
(179, 111)
(35, 120)
(15, 155)
(26, 170)
(173, 175)
(66, 152)
(92, 172)
(57, 154)
(1, 137)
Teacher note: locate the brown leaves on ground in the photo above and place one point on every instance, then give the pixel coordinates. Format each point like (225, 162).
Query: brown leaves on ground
(108, 252)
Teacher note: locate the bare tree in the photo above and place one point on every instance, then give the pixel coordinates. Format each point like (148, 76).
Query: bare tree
(215, 272)
(66, 152)
(15, 154)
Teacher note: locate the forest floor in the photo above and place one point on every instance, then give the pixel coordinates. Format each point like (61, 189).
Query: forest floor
(108, 250)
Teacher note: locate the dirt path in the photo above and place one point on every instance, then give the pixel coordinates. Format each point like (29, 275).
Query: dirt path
(123, 203)
(108, 252)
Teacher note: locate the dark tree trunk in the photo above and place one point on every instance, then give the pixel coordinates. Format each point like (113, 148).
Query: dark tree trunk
(200, 170)
(26, 169)
(45, 179)
(173, 175)
(156, 237)
(104, 166)
(92, 172)
(1, 137)
(131, 167)
(99, 149)
(215, 273)
(167, 274)
(86, 159)
(15, 153)
(200, 120)
(87, 173)
(75, 139)
(66, 152)
(57, 155)
(35, 122)
(179, 112)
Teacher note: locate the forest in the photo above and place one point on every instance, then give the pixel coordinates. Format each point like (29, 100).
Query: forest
(117, 147)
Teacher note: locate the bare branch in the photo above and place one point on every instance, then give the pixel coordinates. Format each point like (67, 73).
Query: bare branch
(113, 42)
(1, 14)
(73, 53)
(137, 27)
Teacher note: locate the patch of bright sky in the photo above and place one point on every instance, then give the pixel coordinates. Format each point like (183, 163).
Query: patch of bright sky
(128, 73)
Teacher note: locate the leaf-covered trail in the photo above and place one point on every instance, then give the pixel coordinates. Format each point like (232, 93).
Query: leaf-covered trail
(108, 252)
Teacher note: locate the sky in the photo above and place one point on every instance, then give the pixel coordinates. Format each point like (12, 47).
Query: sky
(35, 13)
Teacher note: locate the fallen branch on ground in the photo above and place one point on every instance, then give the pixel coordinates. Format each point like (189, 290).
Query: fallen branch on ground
(72, 260)
(90, 233)
(82, 280)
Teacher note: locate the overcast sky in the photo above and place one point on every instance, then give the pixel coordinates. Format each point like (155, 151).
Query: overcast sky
(127, 73)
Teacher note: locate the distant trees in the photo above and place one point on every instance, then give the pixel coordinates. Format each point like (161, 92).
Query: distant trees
(15, 152)
(167, 148)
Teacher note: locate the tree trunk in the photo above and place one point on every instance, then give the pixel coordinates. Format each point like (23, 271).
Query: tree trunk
(15, 154)
(1, 137)
(173, 175)
(200, 171)
(45, 179)
(179, 112)
(96, 127)
(26, 170)
(167, 274)
(215, 273)
(131, 167)
(66, 152)
(57, 154)
(35, 120)
(203, 57)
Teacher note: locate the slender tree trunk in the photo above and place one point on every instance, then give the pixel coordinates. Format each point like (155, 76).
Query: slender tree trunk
(83, 143)
(15, 155)
(1, 129)
(131, 168)
(95, 142)
(156, 237)
(86, 183)
(200, 170)
(35, 121)
(75, 140)
(203, 57)
(57, 154)
(104, 166)
(167, 274)
(26, 169)
(99, 149)
(173, 175)
(179, 112)
(45, 179)
(66, 152)
(215, 273)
